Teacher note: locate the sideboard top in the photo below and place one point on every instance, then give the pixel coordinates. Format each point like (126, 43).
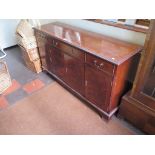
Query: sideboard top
(108, 48)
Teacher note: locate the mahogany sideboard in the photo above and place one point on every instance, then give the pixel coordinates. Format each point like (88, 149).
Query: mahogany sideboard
(92, 66)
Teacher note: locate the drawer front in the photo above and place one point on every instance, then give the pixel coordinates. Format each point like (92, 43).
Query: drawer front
(62, 46)
(78, 54)
(50, 40)
(100, 64)
(67, 49)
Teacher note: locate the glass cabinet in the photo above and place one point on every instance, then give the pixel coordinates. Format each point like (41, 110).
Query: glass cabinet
(138, 105)
(144, 85)
(149, 85)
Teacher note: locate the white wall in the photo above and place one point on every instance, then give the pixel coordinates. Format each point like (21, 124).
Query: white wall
(7, 32)
(127, 35)
(122, 34)
(46, 21)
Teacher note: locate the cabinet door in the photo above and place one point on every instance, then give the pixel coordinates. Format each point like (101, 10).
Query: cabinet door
(50, 57)
(97, 87)
(58, 65)
(74, 73)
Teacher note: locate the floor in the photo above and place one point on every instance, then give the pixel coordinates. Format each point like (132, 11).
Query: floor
(26, 83)
(55, 111)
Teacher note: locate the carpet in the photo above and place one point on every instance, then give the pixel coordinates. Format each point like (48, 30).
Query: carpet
(53, 110)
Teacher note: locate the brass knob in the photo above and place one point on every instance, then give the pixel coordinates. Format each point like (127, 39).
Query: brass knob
(56, 43)
(95, 61)
(102, 64)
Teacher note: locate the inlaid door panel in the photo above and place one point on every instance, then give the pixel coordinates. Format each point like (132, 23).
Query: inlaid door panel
(74, 73)
(49, 57)
(58, 65)
(97, 87)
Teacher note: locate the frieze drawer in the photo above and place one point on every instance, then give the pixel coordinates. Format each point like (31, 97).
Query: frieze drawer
(100, 64)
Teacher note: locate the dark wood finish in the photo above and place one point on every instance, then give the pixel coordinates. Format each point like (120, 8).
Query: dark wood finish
(139, 115)
(69, 50)
(121, 82)
(149, 89)
(59, 65)
(89, 64)
(100, 64)
(120, 25)
(144, 22)
(98, 89)
(75, 74)
(141, 101)
(107, 48)
(47, 60)
(144, 69)
(145, 66)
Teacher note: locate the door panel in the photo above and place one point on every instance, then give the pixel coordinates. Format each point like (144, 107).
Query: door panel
(98, 87)
(58, 65)
(75, 73)
(50, 57)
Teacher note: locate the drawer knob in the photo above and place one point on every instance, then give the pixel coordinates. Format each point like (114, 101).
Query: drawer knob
(54, 43)
(101, 65)
(95, 62)
(98, 65)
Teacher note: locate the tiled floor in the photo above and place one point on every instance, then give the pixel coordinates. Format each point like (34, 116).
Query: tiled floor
(3, 102)
(33, 86)
(24, 81)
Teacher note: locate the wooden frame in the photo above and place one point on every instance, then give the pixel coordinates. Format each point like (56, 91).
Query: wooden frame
(121, 24)
(145, 64)
(136, 106)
